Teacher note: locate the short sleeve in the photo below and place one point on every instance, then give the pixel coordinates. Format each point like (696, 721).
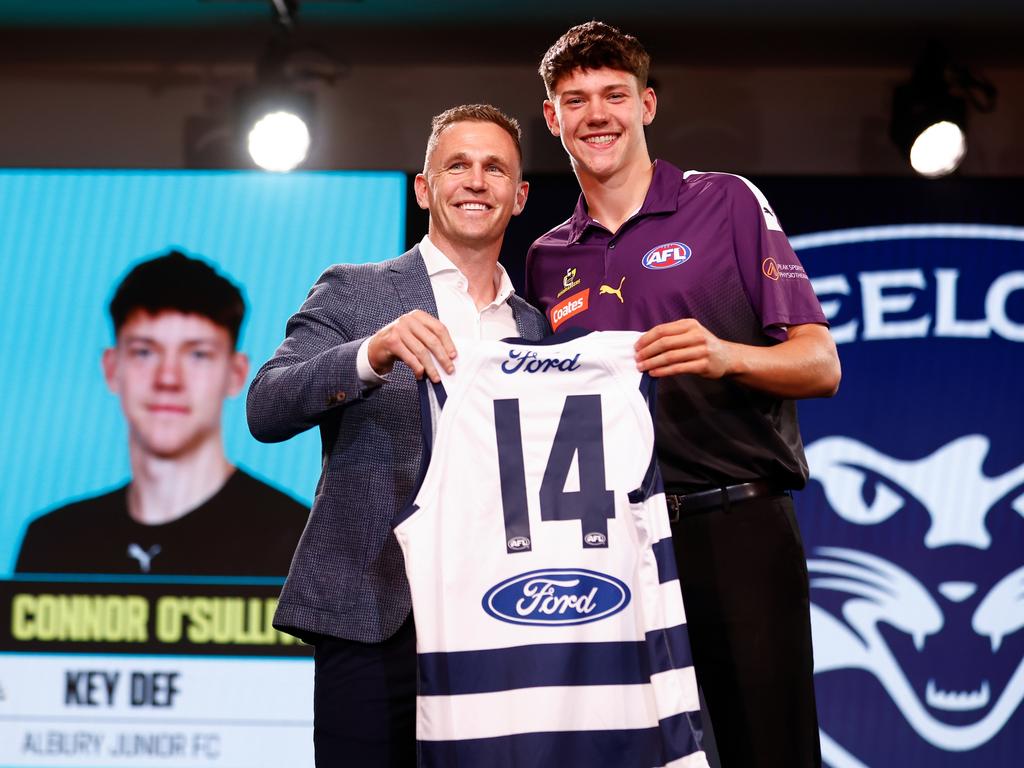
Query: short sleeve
(778, 287)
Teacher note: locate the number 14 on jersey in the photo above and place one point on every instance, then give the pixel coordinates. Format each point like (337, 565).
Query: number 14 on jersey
(579, 435)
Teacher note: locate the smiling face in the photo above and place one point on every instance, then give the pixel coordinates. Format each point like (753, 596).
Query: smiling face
(172, 372)
(471, 185)
(600, 115)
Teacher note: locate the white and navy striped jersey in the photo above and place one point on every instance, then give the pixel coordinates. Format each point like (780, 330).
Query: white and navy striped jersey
(550, 628)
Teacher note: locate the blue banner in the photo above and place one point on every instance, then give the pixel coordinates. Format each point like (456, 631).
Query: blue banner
(914, 517)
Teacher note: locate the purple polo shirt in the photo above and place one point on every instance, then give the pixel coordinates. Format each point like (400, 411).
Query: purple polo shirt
(706, 246)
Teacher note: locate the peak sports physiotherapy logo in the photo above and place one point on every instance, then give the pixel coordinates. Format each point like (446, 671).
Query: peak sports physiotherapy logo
(666, 256)
(556, 597)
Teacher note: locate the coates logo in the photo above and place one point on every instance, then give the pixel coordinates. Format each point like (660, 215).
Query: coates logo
(770, 269)
(667, 255)
(556, 597)
(914, 517)
(573, 305)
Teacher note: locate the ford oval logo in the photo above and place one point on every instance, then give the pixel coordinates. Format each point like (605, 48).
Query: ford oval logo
(667, 255)
(557, 597)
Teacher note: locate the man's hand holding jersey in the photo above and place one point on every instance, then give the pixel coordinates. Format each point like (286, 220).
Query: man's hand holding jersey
(419, 340)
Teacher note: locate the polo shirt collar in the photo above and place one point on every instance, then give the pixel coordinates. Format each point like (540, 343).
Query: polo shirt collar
(662, 197)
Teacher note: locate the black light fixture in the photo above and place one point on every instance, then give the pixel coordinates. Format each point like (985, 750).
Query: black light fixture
(275, 112)
(929, 113)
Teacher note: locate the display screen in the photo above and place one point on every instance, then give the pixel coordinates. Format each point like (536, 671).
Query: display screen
(150, 643)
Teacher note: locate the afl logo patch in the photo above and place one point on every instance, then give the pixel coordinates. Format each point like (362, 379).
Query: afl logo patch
(667, 255)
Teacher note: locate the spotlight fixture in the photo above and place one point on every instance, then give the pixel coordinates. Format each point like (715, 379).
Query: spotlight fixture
(929, 113)
(276, 112)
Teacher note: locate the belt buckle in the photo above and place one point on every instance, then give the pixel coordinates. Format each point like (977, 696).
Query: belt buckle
(674, 505)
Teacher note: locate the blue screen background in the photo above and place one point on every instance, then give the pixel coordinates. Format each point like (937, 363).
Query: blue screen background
(67, 238)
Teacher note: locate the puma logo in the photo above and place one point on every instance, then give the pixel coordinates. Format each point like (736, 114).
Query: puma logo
(614, 291)
(144, 556)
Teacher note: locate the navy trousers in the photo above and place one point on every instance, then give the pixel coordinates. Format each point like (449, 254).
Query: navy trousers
(364, 701)
(744, 580)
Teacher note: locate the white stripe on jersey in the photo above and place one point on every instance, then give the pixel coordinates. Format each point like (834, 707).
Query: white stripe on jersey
(673, 698)
(533, 710)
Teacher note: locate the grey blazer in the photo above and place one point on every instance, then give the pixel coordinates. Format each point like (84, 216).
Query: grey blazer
(347, 577)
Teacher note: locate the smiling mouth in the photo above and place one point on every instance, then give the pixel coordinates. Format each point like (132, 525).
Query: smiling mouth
(473, 207)
(602, 140)
(956, 701)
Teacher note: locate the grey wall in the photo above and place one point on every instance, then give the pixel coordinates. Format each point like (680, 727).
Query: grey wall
(754, 120)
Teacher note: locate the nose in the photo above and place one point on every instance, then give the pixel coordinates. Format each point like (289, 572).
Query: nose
(168, 372)
(476, 179)
(597, 114)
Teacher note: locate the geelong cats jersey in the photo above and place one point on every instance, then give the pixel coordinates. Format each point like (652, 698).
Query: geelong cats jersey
(550, 628)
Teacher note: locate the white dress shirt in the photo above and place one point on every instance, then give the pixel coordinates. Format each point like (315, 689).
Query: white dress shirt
(455, 307)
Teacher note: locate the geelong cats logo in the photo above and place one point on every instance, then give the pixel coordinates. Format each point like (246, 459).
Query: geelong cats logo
(880, 603)
(914, 521)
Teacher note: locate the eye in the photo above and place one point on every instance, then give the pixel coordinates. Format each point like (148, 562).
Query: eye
(139, 353)
(573, 101)
(201, 354)
(457, 166)
(858, 494)
(616, 97)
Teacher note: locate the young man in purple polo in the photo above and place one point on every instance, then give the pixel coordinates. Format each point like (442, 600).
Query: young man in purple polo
(735, 334)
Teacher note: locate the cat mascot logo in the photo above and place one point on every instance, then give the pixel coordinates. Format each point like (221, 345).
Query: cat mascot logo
(914, 516)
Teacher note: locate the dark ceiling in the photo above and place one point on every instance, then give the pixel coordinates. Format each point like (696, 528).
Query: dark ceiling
(683, 32)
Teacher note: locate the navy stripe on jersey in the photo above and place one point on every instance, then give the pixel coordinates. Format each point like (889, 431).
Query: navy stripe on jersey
(569, 334)
(652, 484)
(440, 393)
(628, 748)
(531, 666)
(665, 556)
(669, 648)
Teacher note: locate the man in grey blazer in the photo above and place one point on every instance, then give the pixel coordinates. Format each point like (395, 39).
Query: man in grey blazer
(348, 366)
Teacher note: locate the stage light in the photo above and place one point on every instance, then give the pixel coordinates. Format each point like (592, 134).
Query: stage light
(929, 113)
(279, 141)
(275, 119)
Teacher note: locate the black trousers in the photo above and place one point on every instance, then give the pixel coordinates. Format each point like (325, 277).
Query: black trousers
(745, 589)
(364, 701)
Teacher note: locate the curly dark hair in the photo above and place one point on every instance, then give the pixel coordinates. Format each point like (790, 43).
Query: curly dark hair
(594, 45)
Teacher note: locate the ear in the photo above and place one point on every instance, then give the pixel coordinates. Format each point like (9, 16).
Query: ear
(649, 104)
(420, 187)
(551, 118)
(521, 193)
(109, 364)
(238, 373)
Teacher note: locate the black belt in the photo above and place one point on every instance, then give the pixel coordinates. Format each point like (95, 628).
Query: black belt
(681, 504)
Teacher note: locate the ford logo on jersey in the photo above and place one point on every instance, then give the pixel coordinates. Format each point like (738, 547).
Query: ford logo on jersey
(557, 596)
(526, 360)
(667, 255)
